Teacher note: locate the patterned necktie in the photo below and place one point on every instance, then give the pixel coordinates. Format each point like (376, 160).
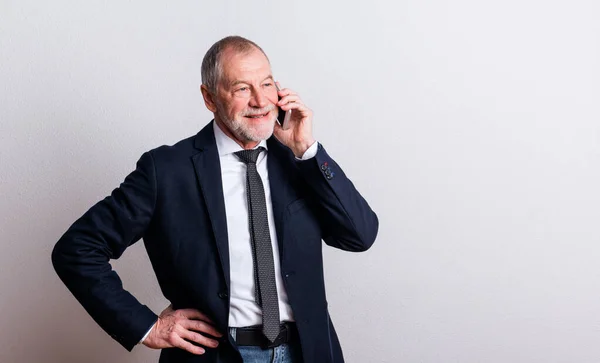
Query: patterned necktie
(264, 266)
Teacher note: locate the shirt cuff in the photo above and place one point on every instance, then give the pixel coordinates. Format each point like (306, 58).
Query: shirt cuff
(147, 333)
(310, 152)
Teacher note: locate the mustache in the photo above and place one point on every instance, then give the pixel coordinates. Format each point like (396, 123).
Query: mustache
(261, 111)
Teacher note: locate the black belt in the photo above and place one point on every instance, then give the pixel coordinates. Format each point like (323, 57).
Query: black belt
(254, 336)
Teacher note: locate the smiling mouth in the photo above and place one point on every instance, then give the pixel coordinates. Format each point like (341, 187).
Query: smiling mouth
(258, 116)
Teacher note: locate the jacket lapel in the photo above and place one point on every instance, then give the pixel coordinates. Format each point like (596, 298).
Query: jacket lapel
(208, 173)
(282, 192)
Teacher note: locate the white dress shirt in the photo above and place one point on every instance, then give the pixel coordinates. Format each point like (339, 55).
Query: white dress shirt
(244, 311)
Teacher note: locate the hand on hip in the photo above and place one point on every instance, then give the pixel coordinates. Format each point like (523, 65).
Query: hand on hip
(178, 328)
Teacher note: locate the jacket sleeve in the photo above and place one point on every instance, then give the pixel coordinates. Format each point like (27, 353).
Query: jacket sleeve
(81, 256)
(346, 219)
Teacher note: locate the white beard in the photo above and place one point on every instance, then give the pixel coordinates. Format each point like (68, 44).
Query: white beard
(243, 131)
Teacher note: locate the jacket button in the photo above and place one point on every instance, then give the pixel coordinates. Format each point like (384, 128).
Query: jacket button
(223, 295)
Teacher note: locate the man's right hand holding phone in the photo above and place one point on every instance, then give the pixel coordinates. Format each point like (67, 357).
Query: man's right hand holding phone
(298, 132)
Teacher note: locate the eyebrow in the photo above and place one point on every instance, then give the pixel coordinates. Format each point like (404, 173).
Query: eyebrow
(235, 83)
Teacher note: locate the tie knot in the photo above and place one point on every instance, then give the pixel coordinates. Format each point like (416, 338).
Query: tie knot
(249, 156)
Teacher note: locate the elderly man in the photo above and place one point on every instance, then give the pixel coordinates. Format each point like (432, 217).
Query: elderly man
(233, 221)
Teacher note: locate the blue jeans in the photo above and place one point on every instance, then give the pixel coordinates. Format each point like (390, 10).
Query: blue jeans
(285, 353)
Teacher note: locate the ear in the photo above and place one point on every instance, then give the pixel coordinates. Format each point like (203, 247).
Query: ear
(209, 100)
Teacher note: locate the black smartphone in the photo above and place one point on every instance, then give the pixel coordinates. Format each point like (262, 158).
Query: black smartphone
(284, 116)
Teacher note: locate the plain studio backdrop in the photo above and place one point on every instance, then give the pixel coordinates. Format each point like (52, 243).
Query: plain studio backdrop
(471, 127)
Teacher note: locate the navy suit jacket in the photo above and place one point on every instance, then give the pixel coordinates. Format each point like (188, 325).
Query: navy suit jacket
(174, 201)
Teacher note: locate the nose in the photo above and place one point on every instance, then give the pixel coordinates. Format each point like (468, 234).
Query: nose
(258, 99)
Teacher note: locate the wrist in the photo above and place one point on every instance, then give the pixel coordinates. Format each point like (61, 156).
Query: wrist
(300, 148)
(145, 339)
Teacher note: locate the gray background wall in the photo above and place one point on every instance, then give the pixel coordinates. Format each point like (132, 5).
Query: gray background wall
(472, 127)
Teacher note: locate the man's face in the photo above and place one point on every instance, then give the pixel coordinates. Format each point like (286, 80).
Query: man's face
(246, 95)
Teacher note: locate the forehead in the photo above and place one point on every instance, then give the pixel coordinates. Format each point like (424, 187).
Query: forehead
(246, 66)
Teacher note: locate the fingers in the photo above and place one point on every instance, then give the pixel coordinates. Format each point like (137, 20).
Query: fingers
(194, 314)
(194, 319)
(184, 331)
(283, 92)
(177, 328)
(286, 100)
(178, 342)
(300, 110)
(304, 111)
(199, 338)
(291, 101)
(201, 326)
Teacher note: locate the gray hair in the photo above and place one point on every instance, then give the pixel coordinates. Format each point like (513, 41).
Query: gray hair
(211, 64)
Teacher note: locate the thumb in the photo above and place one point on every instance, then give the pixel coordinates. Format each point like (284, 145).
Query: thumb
(278, 131)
